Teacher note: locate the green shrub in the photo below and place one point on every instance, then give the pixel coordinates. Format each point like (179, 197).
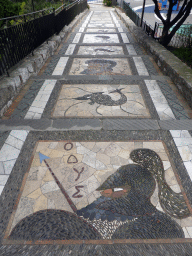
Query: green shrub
(109, 2)
(184, 54)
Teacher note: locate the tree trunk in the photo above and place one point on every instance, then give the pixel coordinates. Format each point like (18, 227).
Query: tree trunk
(165, 38)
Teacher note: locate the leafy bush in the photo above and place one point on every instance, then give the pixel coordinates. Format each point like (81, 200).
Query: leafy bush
(109, 2)
(184, 54)
(9, 8)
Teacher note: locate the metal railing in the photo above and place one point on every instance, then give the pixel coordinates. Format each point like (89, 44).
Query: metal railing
(135, 17)
(15, 20)
(182, 38)
(18, 41)
(131, 14)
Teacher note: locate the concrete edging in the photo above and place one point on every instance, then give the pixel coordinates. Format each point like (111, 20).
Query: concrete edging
(169, 64)
(31, 65)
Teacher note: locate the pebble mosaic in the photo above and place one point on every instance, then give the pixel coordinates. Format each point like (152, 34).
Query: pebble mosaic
(105, 189)
(120, 184)
(100, 50)
(9, 154)
(100, 100)
(100, 38)
(82, 66)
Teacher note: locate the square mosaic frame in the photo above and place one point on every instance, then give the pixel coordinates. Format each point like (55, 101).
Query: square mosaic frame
(101, 136)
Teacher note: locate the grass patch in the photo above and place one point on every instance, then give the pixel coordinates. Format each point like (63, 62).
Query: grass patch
(184, 54)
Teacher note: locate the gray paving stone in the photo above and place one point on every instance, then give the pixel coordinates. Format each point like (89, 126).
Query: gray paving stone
(77, 124)
(25, 124)
(91, 130)
(130, 124)
(176, 124)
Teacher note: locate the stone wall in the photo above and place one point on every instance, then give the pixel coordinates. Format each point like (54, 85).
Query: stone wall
(169, 64)
(31, 65)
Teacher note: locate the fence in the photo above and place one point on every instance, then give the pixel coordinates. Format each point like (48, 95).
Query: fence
(131, 14)
(149, 30)
(183, 36)
(17, 41)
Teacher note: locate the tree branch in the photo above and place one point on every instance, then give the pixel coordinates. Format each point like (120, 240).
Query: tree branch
(171, 4)
(177, 26)
(157, 12)
(181, 12)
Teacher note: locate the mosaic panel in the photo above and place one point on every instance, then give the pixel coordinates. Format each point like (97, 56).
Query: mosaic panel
(99, 190)
(101, 21)
(100, 100)
(82, 66)
(99, 30)
(100, 38)
(101, 25)
(100, 50)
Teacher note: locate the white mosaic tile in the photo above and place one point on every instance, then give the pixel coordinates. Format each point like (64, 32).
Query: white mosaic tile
(8, 166)
(9, 154)
(186, 233)
(159, 100)
(3, 179)
(1, 189)
(131, 50)
(2, 170)
(14, 142)
(70, 49)
(120, 30)
(58, 71)
(77, 38)
(189, 231)
(141, 69)
(124, 38)
(20, 135)
(38, 105)
(184, 145)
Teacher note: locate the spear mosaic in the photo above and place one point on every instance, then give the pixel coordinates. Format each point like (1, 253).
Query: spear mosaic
(43, 158)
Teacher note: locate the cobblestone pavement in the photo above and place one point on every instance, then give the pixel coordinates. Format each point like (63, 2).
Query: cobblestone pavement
(96, 152)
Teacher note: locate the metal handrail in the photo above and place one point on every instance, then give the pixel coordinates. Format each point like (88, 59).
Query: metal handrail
(72, 4)
(26, 34)
(60, 8)
(24, 15)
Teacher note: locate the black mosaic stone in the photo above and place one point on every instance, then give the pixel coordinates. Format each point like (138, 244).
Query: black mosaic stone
(173, 203)
(133, 175)
(3, 137)
(146, 221)
(172, 100)
(54, 225)
(104, 99)
(27, 100)
(154, 226)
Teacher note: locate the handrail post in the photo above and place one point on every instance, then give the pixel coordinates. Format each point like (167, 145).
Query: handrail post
(142, 13)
